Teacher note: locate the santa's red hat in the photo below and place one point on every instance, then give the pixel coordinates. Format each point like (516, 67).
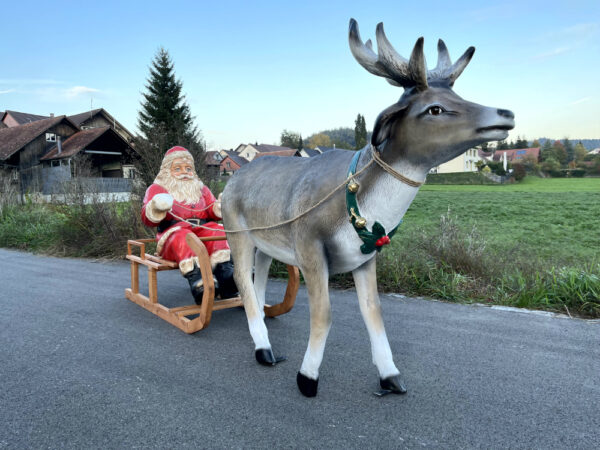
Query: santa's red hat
(180, 151)
(173, 153)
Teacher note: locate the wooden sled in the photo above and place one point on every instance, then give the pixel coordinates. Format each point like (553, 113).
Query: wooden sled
(179, 316)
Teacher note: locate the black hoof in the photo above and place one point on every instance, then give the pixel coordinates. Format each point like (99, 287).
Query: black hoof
(307, 386)
(392, 384)
(266, 357)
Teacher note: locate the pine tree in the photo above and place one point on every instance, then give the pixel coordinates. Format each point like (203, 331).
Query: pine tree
(569, 149)
(165, 120)
(360, 131)
(501, 145)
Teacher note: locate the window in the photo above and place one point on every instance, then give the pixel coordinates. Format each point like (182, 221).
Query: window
(50, 137)
(55, 162)
(228, 165)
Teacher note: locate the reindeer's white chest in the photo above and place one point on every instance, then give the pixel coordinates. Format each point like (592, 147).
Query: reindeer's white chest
(387, 204)
(343, 251)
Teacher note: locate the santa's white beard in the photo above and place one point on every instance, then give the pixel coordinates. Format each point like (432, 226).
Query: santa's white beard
(184, 189)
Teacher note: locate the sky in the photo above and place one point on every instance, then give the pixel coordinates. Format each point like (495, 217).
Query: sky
(252, 69)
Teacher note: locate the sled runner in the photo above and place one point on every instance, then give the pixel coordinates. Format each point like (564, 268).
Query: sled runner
(179, 316)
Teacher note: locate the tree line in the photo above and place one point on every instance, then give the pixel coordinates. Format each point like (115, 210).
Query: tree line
(344, 137)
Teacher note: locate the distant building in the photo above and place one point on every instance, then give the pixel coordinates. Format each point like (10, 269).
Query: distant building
(40, 151)
(231, 161)
(465, 162)
(250, 151)
(518, 154)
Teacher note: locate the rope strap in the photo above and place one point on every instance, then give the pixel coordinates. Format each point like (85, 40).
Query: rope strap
(377, 159)
(389, 169)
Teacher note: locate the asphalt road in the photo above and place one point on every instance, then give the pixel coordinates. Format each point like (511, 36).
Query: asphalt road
(82, 367)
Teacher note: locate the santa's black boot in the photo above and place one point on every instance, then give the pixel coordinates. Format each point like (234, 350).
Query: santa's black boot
(223, 272)
(194, 277)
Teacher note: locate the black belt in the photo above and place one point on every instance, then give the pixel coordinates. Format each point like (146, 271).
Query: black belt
(168, 223)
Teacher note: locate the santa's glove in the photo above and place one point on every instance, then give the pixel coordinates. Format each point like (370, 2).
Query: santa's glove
(157, 208)
(217, 207)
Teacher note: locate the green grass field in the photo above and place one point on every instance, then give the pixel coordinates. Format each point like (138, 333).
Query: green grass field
(554, 219)
(534, 244)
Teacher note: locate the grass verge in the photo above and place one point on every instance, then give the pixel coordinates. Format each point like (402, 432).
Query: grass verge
(532, 245)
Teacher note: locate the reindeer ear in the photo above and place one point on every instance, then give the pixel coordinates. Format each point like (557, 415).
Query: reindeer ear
(385, 123)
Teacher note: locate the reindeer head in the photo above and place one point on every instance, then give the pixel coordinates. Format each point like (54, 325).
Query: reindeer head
(430, 124)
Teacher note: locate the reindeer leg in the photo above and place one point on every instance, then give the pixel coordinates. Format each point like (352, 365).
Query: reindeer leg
(242, 250)
(365, 279)
(262, 263)
(316, 276)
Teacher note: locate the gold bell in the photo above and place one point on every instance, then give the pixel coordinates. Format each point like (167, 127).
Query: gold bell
(353, 187)
(359, 222)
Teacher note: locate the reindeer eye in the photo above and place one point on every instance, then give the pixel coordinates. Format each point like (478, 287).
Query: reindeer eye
(435, 110)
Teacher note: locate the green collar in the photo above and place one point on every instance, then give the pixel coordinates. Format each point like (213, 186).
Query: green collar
(372, 240)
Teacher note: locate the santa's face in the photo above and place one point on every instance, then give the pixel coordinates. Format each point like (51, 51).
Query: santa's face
(182, 169)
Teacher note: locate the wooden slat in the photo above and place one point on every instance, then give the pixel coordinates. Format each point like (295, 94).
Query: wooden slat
(290, 294)
(152, 288)
(152, 264)
(135, 277)
(163, 262)
(206, 270)
(229, 303)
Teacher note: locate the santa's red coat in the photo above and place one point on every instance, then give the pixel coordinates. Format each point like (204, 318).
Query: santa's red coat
(171, 241)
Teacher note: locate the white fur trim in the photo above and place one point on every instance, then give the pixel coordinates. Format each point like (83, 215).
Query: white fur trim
(153, 214)
(187, 265)
(220, 256)
(164, 237)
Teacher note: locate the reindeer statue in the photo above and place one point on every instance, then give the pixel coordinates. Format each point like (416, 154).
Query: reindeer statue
(305, 211)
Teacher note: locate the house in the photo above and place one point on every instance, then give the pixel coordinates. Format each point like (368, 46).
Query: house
(231, 162)
(249, 151)
(465, 162)
(290, 152)
(98, 118)
(323, 149)
(15, 118)
(212, 163)
(518, 154)
(309, 152)
(41, 153)
(95, 118)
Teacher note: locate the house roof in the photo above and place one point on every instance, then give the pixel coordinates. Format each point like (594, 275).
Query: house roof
(12, 139)
(328, 149)
(78, 119)
(290, 152)
(211, 158)
(310, 152)
(74, 144)
(236, 158)
(516, 154)
(24, 118)
(270, 148)
(82, 117)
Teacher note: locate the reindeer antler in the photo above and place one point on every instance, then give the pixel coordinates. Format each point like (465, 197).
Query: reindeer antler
(399, 71)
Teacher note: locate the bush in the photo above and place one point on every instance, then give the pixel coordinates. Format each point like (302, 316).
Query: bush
(519, 171)
(469, 178)
(578, 173)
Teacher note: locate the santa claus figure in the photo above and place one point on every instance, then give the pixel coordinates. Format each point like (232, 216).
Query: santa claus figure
(179, 203)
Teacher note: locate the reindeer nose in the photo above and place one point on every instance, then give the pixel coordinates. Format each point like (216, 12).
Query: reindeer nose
(506, 113)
